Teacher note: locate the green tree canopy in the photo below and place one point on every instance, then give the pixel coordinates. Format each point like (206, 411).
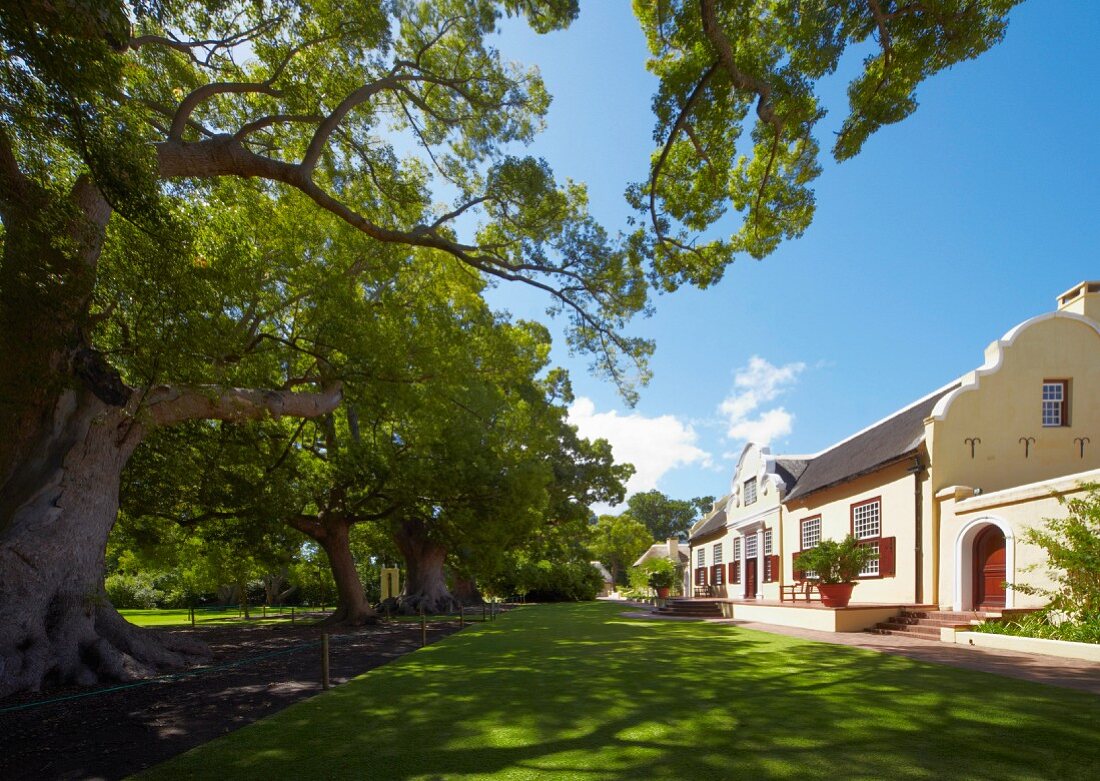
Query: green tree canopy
(738, 65)
(665, 517)
(617, 541)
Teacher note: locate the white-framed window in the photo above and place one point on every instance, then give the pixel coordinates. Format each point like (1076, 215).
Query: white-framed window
(867, 525)
(767, 542)
(750, 490)
(717, 553)
(750, 547)
(737, 549)
(811, 532)
(867, 520)
(871, 568)
(700, 557)
(1055, 396)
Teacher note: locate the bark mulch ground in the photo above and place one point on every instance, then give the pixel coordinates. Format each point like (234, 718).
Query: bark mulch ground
(257, 670)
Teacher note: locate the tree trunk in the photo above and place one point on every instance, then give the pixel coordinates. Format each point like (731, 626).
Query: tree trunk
(425, 582)
(466, 591)
(56, 625)
(332, 533)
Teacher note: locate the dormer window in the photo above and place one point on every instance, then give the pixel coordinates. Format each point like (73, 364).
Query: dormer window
(750, 491)
(1055, 403)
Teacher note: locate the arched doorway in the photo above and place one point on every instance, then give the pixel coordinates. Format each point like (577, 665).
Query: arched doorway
(989, 569)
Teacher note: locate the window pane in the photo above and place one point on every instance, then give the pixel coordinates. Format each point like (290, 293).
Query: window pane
(865, 520)
(811, 533)
(750, 546)
(750, 491)
(701, 557)
(718, 553)
(768, 542)
(871, 568)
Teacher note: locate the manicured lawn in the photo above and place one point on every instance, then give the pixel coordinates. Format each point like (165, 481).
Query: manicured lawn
(575, 691)
(182, 616)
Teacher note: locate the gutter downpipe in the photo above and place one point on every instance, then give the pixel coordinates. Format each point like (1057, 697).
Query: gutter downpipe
(918, 528)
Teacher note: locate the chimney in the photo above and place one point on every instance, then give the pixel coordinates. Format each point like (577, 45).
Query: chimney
(674, 549)
(1082, 299)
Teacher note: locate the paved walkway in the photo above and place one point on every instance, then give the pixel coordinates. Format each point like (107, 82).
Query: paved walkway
(1052, 670)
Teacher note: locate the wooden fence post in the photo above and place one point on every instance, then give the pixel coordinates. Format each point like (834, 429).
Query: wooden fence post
(324, 661)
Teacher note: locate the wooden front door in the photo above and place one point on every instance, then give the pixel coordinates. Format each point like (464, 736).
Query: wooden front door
(989, 569)
(750, 578)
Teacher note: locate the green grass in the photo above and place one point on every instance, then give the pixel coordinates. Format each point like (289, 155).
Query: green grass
(182, 616)
(576, 692)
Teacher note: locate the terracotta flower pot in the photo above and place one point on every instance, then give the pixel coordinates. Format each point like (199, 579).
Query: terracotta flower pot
(835, 594)
(662, 592)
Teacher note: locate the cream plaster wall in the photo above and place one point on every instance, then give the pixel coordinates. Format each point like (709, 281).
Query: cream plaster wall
(1013, 510)
(745, 520)
(894, 485)
(1000, 403)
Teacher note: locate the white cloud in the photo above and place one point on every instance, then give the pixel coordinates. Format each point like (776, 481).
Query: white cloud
(653, 445)
(753, 386)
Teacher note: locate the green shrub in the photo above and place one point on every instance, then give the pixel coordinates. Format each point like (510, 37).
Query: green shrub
(1072, 545)
(1042, 624)
(835, 562)
(134, 591)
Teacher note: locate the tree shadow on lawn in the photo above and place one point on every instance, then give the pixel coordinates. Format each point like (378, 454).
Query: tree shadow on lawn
(551, 691)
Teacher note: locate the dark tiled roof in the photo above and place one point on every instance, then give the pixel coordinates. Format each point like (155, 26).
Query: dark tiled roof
(883, 443)
(714, 523)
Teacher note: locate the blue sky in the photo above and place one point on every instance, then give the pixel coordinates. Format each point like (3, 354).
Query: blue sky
(948, 229)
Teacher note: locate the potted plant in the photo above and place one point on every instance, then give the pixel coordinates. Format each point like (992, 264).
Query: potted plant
(836, 566)
(662, 574)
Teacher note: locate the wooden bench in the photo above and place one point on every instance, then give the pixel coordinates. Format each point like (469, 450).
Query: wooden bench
(705, 591)
(803, 589)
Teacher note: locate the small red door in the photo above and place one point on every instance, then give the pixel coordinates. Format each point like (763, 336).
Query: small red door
(989, 569)
(750, 578)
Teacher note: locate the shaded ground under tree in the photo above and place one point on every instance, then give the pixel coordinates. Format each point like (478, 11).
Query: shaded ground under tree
(257, 671)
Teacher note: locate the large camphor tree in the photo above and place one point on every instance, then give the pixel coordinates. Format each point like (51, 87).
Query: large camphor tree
(119, 120)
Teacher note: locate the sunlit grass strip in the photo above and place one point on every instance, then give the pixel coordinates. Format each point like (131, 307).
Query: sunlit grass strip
(182, 616)
(574, 691)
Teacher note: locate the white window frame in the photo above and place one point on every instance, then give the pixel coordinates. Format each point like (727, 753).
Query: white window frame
(867, 525)
(701, 556)
(867, 520)
(737, 549)
(716, 553)
(815, 537)
(750, 491)
(767, 542)
(1055, 403)
(751, 547)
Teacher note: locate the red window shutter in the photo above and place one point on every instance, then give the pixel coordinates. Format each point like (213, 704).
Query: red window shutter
(887, 557)
(773, 569)
(796, 572)
(716, 574)
(700, 576)
(735, 572)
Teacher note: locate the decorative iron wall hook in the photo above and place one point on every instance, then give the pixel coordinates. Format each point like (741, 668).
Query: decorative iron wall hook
(1028, 442)
(972, 441)
(1082, 441)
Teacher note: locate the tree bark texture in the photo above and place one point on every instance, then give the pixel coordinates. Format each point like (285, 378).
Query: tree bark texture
(425, 579)
(332, 532)
(56, 625)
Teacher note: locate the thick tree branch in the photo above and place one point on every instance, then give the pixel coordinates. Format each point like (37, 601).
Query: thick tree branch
(205, 92)
(744, 81)
(167, 406)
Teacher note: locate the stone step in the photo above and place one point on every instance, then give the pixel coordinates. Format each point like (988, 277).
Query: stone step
(908, 630)
(957, 616)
